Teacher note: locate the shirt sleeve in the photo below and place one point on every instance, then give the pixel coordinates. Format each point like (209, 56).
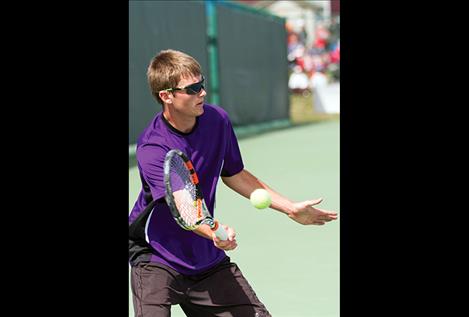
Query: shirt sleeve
(150, 160)
(233, 162)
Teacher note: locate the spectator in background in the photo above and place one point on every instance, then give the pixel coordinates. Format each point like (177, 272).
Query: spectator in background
(322, 35)
(318, 79)
(322, 55)
(303, 35)
(334, 66)
(334, 33)
(295, 48)
(335, 53)
(298, 81)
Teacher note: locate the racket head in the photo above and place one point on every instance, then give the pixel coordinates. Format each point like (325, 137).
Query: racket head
(182, 191)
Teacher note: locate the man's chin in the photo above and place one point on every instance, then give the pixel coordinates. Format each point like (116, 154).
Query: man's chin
(199, 109)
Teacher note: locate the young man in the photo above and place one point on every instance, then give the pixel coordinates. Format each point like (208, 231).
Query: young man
(172, 266)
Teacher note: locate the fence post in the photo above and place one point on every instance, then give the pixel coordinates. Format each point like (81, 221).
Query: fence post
(212, 48)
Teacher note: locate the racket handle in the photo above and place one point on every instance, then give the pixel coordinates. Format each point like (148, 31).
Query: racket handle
(220, 232)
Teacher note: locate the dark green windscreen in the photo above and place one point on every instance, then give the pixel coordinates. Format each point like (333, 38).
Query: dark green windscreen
(252, 66)
(155, 26)
(244, 59)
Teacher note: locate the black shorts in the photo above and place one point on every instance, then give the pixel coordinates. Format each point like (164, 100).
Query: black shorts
(221, 291)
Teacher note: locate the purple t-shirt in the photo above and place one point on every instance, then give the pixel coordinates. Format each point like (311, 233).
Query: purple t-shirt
(213, 149)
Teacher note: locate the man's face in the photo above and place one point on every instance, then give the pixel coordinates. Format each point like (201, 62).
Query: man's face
(187, 104)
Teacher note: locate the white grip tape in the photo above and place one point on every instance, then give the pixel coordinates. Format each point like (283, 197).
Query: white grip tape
(221, 233)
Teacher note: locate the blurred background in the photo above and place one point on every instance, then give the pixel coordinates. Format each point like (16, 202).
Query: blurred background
(274, 66)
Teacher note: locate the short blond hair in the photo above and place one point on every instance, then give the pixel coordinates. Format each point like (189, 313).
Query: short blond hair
(167, 68)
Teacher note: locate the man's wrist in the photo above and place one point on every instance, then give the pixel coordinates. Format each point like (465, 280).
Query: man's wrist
(288, 209)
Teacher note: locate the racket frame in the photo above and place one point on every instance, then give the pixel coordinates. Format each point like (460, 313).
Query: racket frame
(203, 215)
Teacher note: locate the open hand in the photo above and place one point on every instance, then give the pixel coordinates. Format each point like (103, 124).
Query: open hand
(306, 214)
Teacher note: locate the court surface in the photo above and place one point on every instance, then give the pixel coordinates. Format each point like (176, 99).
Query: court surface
(294, 269)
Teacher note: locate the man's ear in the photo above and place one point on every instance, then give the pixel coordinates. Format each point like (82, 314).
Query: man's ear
(165, 96)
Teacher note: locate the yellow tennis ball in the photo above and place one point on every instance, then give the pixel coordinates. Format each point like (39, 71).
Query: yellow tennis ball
(260, 198)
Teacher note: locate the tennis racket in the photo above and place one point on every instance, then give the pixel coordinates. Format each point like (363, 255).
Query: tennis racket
(184, 196)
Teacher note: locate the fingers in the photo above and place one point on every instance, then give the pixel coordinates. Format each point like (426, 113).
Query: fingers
(326, 214)
(231, 246)
(306, 214)
(228, 244)
(231, 233)
(322, 219)
(315, 201)
(328, 217)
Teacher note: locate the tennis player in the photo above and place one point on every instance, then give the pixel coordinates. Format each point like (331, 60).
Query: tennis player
(171, 266)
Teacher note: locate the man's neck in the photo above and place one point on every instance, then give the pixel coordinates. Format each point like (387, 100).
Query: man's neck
(183, 124)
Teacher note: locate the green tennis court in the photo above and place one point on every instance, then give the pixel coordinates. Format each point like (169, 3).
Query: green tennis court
(294, 269)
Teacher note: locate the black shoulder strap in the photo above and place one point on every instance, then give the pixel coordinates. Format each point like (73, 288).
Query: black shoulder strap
(139, 249)
(135, 229)
(147, 192)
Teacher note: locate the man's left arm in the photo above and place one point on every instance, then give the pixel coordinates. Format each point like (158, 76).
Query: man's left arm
(244, 183)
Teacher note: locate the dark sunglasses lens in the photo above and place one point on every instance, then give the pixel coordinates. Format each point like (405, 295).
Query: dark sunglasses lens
(194, 88)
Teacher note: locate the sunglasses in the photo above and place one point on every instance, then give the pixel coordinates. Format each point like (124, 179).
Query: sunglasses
(191, 89)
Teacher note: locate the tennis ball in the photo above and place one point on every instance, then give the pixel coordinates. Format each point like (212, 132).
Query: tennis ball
(260, 198)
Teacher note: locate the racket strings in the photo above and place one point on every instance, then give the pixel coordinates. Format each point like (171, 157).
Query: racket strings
(184, 191)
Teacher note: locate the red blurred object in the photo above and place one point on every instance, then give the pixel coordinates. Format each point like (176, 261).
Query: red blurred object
(335, 7)
(335, 55)
(322, 34)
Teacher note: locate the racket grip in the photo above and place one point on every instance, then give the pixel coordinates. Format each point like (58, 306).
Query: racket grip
(220, 232)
